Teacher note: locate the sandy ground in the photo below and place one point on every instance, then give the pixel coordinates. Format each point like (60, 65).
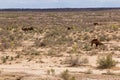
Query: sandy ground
(41, 69)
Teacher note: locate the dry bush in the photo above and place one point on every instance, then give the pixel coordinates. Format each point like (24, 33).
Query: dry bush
(3, 59)
(65, 75)
(51, 72)
(9, 39)
(74, 48)
(106, 62)
(87, 47)
(93, 52)
(89, 71)
(114, 27)
(56, 52)
(39, 43)
(103, 38)
(77, 60)
(51, 52)
(116, 48)
(109, 72)
(33, 52)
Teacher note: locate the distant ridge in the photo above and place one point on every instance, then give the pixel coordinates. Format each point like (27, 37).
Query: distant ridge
(58, 9)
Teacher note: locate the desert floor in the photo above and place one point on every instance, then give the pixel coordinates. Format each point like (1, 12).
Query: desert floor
(58, 42)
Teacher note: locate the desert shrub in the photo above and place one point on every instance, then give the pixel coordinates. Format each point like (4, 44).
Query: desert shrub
(53, 71)
(74, 47)
(86, 37)
(35, 53)
(52, 33)
(65, 75)
(102, 38)
(11, 27)
(3, 59)
(7, 57)
(89, 71)
(11, 58)
(17, 56)
(56, 52)
(50, 53)
(48, 72)
(115, 37)
(106, 62)
(72, 78)
(77, 60)
(39, 43)
(5, 44)
(93, 52)
(30, 18)
(56, 36)
(109, 73)
(114, 27)
(103, 47)
(30, 51)
(63, 39)
(116, 48)
(9, 40)
(87, 47)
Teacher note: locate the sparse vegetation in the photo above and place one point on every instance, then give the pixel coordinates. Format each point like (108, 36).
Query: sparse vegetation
(87, 47)
(72, 78)
(77, 60)
(106, 62)
(89, 71)
(3, 59)
(109, 72)
(59, 40)
(75, 48)
(65, 75)
(17, 56)
(51, 72)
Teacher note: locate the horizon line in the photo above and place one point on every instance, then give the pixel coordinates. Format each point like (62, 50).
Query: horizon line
(69, 8)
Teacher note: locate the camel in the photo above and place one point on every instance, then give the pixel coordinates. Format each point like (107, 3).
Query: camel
(27, 29)
(96, 23)
(96, 42)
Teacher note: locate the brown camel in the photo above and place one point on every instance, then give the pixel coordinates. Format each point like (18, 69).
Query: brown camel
(96, 23)
(96, 42)
(27, 29)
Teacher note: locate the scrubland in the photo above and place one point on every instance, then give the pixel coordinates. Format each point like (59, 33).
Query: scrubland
(58, 47)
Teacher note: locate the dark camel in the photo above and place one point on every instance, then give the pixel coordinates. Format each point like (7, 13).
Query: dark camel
(27, 29)
(95, 23)
(96, 42)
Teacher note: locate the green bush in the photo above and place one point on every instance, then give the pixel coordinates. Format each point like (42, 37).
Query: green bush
(106, 62)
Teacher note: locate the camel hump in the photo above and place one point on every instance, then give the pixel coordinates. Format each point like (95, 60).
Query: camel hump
(95, 40)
